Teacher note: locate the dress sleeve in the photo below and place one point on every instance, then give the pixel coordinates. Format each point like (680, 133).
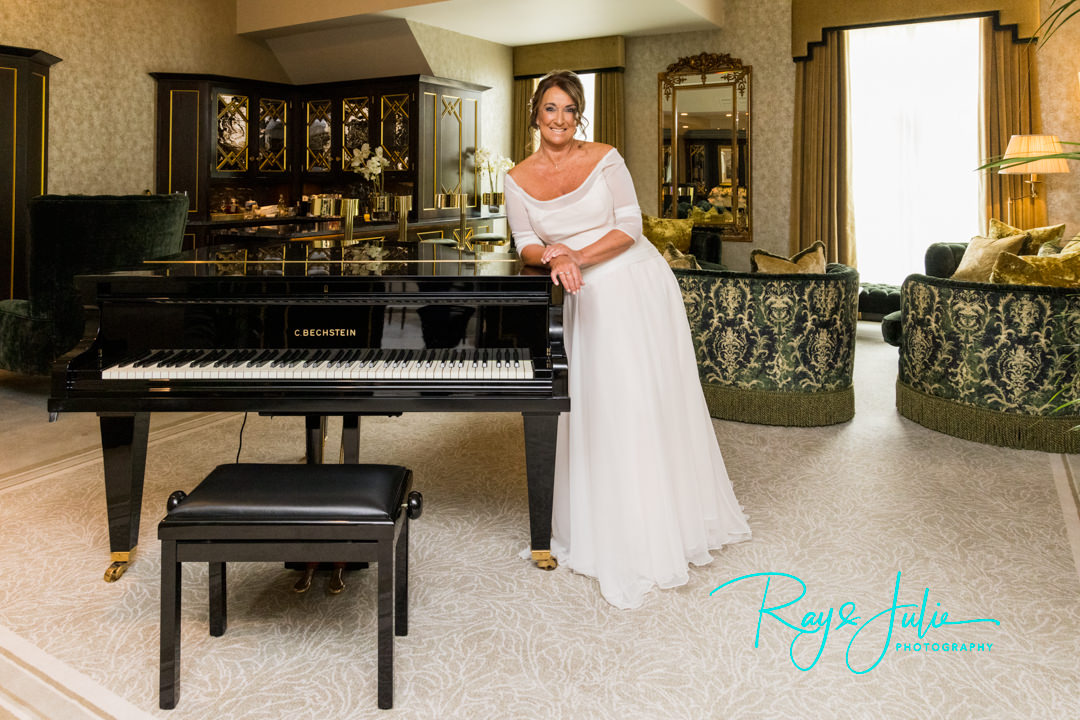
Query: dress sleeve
(627, 210)
(517, 215)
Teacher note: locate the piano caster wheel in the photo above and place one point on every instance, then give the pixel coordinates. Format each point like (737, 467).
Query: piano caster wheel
(116, 570)
(543, 560)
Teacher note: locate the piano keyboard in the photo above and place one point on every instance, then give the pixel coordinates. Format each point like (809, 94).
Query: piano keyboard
(328, 364)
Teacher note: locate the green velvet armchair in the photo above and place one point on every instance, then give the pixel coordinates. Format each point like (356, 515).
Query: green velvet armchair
(775, 349)
(70, 235)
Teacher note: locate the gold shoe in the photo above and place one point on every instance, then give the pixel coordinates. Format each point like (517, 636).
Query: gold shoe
(304, 582)
(336, 583)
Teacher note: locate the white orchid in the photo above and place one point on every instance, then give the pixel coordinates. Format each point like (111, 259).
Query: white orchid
(370, 165)
(492, 166)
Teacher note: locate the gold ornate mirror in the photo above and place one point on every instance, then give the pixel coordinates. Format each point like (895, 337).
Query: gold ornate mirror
(704, 134)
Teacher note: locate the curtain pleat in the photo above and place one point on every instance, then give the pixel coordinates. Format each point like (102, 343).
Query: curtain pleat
(821, 206)
(608, 115)
(522, 136)
(1010, 107)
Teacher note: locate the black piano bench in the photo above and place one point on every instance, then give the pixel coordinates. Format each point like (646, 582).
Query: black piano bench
(290, 513)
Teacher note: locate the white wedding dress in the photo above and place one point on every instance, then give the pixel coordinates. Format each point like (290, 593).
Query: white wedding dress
(640, 486)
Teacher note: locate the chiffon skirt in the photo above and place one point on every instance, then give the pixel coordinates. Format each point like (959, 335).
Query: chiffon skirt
(640, 486)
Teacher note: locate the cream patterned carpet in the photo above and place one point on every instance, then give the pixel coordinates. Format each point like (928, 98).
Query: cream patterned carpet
(983, 531)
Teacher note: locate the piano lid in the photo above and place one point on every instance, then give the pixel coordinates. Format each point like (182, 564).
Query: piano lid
(319, 258)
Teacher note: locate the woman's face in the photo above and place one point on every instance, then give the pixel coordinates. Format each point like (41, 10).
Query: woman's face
(557, 117)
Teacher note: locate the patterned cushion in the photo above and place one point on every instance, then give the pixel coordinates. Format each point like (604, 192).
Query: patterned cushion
(661, 231)
(680, 260)
(982, 253)
(1036, 237)
(1051, 271)
(810, 260)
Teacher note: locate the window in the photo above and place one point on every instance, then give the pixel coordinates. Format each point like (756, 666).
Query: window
(914, 121)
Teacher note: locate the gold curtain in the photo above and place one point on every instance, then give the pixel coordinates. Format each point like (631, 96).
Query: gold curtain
(1010, 106)
(821, 206)
(608, 114)
(522, 134)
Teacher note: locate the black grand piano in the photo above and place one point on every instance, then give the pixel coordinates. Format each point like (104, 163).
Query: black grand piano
(315, 328)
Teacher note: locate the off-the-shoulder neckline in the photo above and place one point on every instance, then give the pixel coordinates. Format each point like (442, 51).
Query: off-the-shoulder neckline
(571, 192)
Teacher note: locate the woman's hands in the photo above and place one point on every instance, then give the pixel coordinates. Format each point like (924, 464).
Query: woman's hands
(565, 265)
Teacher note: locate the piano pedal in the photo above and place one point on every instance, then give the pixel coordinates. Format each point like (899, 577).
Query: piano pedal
(304, 582)
(336, 583)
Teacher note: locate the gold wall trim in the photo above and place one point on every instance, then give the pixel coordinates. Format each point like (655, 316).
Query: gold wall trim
(434, 146)
(44, 119)
(809, 18)
(476, 146)
(452, 106)
(603, 53)
(14, 171)
(194, 207)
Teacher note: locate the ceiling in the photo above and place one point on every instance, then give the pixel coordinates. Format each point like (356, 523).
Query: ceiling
(508, 22)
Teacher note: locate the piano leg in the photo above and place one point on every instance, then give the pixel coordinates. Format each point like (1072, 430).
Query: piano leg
(123, 448)
(315, 435)
(350, 439)
(540, 434)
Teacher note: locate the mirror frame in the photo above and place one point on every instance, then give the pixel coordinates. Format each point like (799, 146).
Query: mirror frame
(692, 72)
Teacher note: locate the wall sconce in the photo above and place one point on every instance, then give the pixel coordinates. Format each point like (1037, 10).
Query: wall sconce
(1036, 147)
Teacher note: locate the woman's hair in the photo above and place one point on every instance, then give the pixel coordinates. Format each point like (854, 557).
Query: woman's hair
(570, 84)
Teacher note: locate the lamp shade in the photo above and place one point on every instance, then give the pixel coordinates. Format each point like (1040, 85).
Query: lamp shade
(1034, 146)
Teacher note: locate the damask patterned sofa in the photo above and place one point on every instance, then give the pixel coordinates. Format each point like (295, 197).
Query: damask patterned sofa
(990, 362)
(775, 349)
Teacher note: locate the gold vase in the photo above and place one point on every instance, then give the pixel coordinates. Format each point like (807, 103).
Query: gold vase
(493, 199)
(381, 206)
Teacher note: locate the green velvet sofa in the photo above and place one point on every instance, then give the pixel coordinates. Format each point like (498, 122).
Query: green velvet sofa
(990, 363)
(73, 234)
(775, 349)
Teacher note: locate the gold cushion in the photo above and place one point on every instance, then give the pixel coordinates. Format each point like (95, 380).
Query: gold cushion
(1036, 237)
(711, 216)
(810, 260)
(677, 259)
(982, 253)
(661, 231)
(1052, 271)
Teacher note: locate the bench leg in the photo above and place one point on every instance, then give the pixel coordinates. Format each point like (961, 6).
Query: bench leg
(386, 623)
(169, 669)
(401, 579)
(219, 617)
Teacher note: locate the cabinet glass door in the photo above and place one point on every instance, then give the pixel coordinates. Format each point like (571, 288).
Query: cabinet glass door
(395, 130)
(273, 117)
(355, 119)
(318, 136)
(231, 152)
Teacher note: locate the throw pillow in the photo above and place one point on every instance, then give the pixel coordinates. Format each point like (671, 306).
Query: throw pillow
(1052, 271)
(1036, 237)
(661, 231)
(676, 259)
(982, 253)
(810, 260)
(710, 216)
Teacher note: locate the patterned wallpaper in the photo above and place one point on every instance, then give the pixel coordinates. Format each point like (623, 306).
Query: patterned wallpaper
(759, 33)
(101, 112)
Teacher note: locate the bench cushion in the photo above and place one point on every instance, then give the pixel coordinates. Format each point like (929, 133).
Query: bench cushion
(257, 493)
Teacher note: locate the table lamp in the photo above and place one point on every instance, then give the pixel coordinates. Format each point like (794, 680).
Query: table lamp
(1035, 147)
